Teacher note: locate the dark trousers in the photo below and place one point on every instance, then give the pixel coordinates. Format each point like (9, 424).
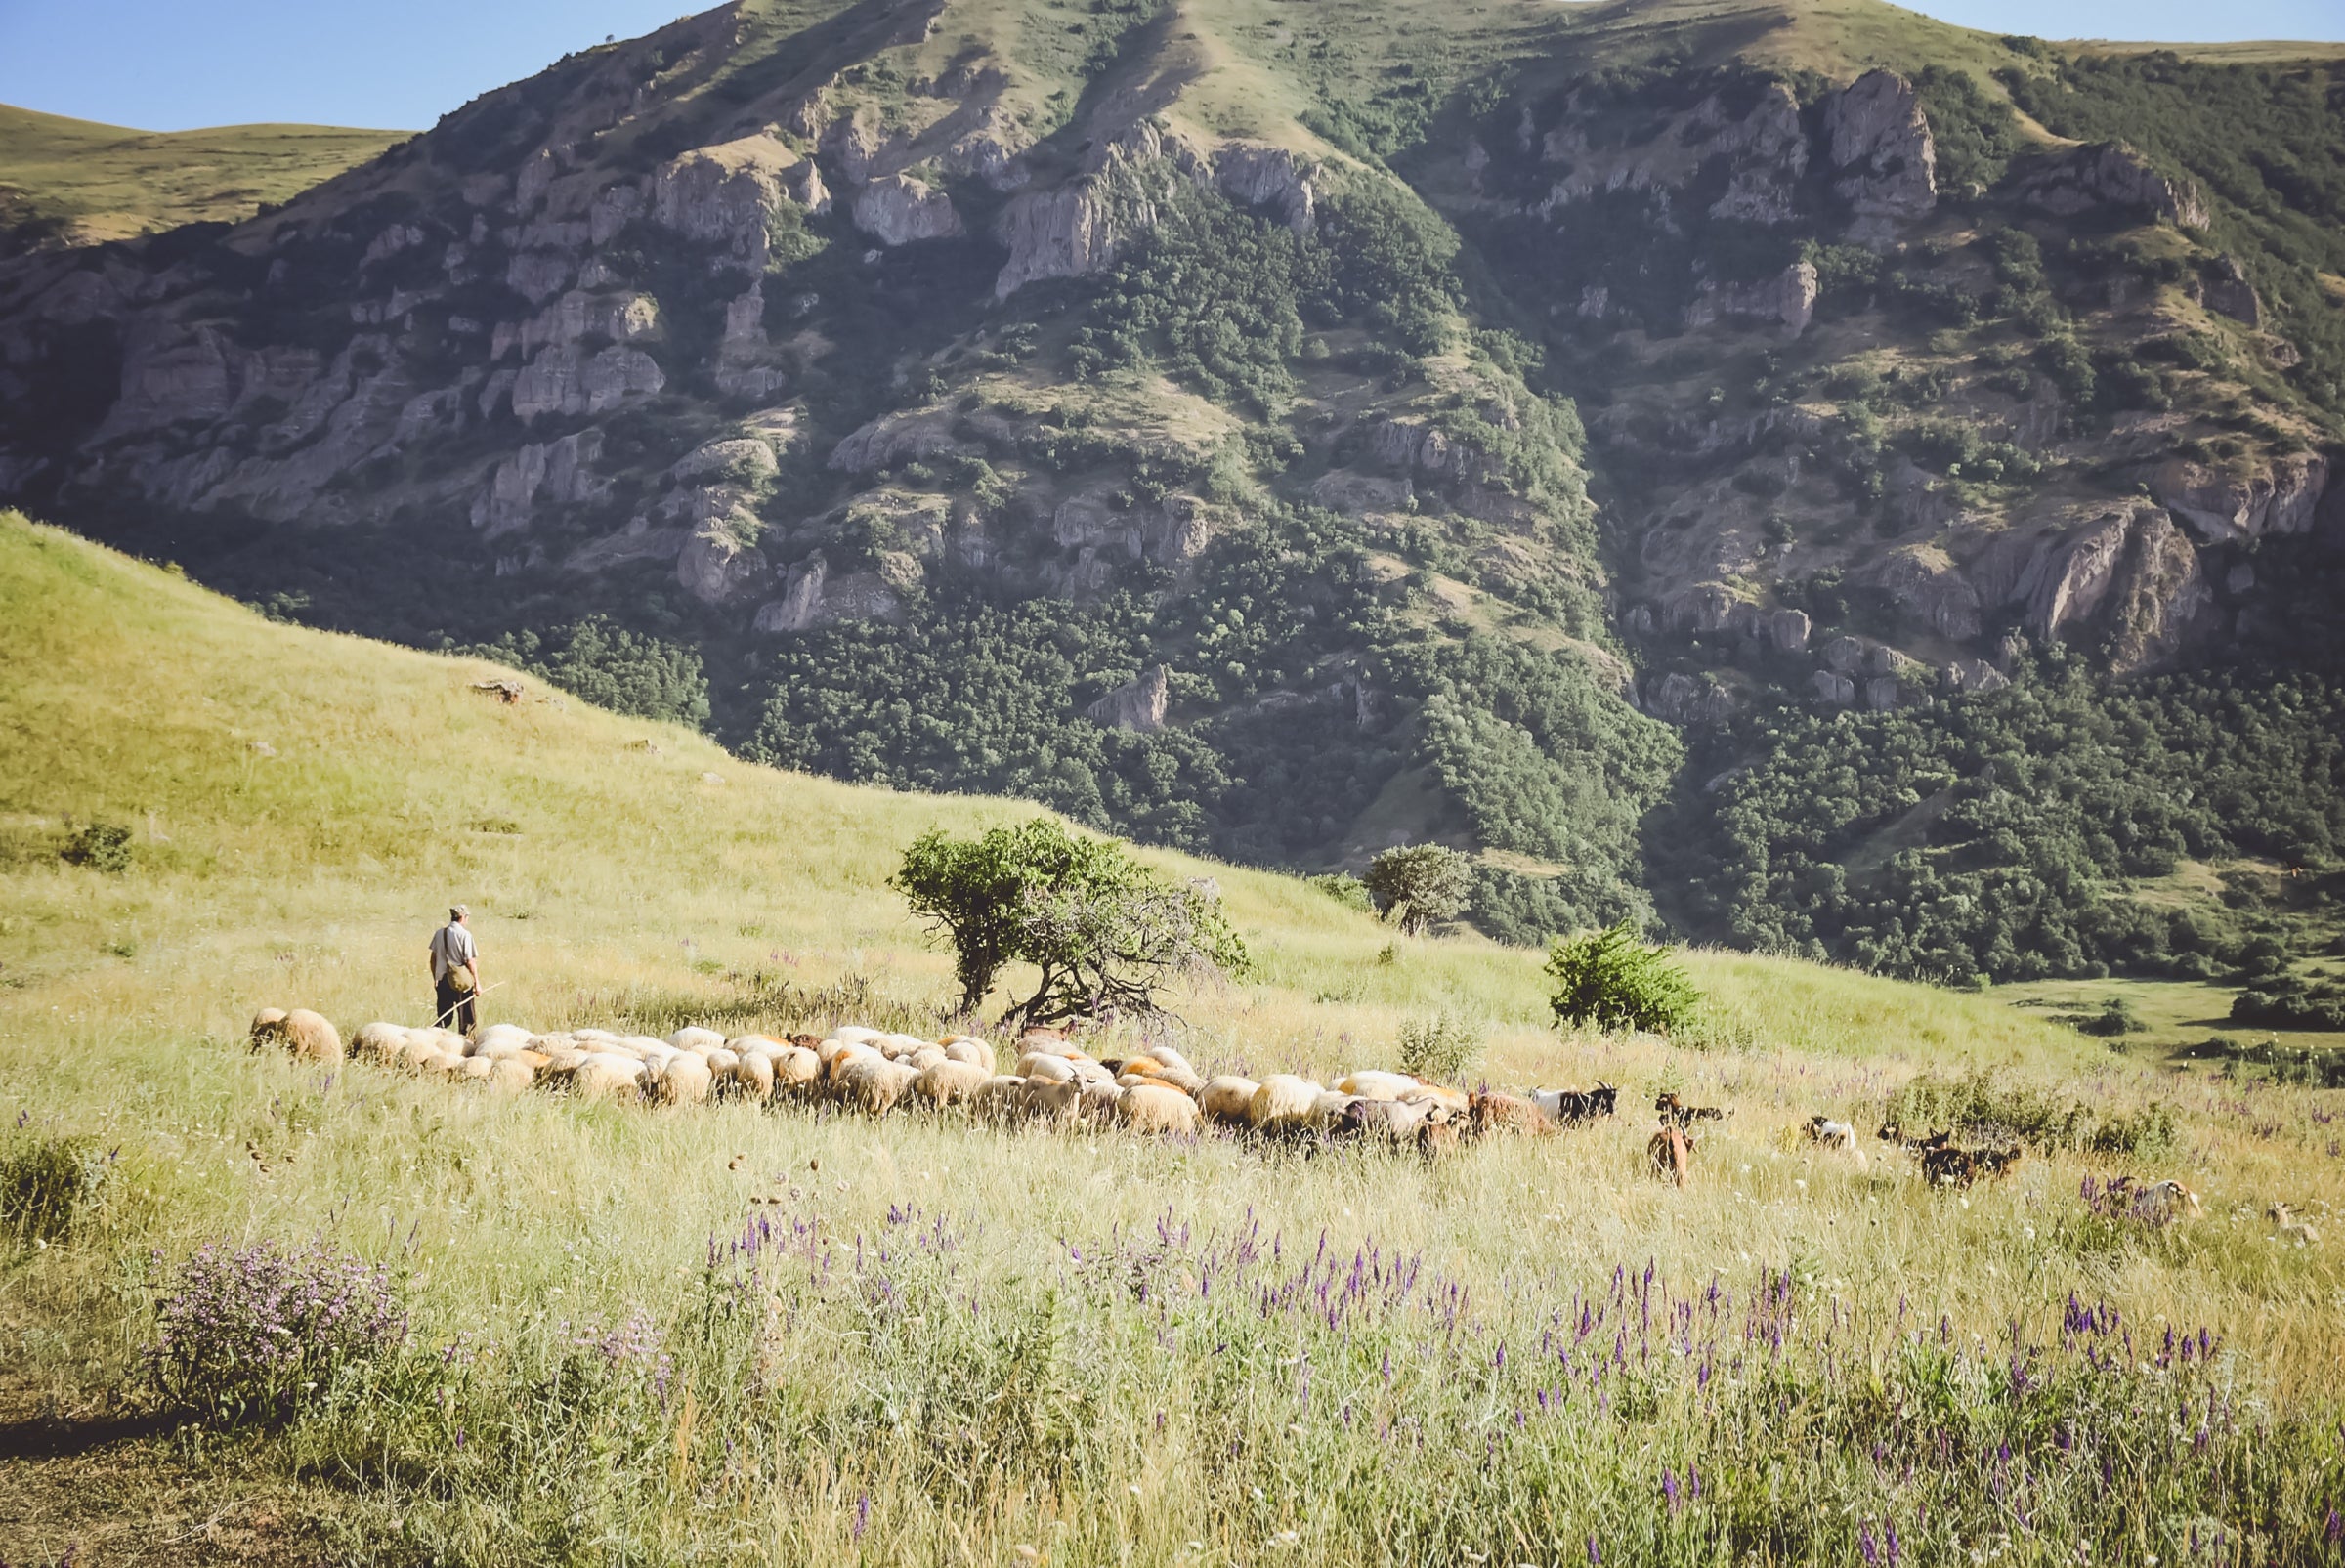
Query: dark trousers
(456, 1009)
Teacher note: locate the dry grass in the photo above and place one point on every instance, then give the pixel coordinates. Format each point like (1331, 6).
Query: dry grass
(638, 889)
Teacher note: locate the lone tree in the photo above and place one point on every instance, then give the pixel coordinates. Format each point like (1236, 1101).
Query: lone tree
(1105, 930)
(1418, 884)
(1613, 981)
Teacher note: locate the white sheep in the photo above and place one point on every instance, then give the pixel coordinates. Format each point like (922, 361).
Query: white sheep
(1374, 1085)
(999, 1098)
(1282, 1100)
(1154, 1108)
(872, 1084)
(1050, 1069)
(941, 1082)
(970, 1048)
(693, 1039)
(1229, 1099)
(684, 1081)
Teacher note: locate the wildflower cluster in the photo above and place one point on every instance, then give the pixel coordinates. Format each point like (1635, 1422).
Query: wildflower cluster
(251, 1332)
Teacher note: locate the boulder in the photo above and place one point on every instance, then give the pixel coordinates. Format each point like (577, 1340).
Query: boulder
(1833, 687)
(1787, 299)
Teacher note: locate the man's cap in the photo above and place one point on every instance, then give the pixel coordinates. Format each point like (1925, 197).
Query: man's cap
(457, 912)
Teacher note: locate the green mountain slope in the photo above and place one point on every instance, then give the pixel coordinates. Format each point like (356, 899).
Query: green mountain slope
(1283, 432)
(76, 183)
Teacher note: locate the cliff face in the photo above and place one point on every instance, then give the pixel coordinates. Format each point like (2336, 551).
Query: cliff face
(794, 321)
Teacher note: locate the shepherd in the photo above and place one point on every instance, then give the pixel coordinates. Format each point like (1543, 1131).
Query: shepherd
(455, 972)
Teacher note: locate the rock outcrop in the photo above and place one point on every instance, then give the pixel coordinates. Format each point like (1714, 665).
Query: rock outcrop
(1787, 299)
(897, 209)
(560, 471)
(1138, 705)
(1884, 157)
(2222, 507)
(728, 195)
(2109, 175)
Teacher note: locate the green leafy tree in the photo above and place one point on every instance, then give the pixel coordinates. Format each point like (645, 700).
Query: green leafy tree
(1104, 930)
(1418, 884)
(1613, 981)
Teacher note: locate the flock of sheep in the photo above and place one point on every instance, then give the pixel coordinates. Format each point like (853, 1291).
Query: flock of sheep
(1055, 1082)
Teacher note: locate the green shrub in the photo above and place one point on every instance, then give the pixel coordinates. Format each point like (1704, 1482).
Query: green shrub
(1981, 1108)
(45, 1184)
(1611, 980)
(1440, 1046)
(251, 1333)
(100, 847)
(603, 664)
(1419, 884)
(2115, 1017)
(1345, 889)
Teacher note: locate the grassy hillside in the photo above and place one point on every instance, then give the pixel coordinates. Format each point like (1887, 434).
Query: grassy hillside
(80, 183)
(937, 1342)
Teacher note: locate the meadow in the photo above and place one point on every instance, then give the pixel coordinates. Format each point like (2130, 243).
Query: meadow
(727, 1333)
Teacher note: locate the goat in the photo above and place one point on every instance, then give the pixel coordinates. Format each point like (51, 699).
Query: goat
(1676, 1113)
(1670, 1152)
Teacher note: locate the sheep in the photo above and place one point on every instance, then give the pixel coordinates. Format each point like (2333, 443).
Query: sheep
(507, 1074)
(902, 1047)
(1051, 1099)
(1327, 1111)
(1227, 1099)
(1281, 1100)
(1457, 1102)
(968, 1048)
(1050, 1069)
(943, 1081)
(379, 1042)
(1156, 1108)
(873, 1084)
(926, 1057)
(1671, 1153)
(794, 1068)
(608, 1076)
(684, 1081)
(1492, 1112)
(1826, 1133)
(493, 1040)
(1395, 1120)
(857, 1035)
(2288, 1230)
(1087, 1070)
(1045, 1043)
(999, 1098)
(301, 1031)
(1373, 1085)
(753, 1077)
(1096, 1101)
(692, 1038)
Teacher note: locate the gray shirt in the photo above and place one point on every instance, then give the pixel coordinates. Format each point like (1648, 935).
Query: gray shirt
(452, 948)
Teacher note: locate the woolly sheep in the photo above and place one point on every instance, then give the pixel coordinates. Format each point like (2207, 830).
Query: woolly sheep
(835, 1068)
(1227, 1099)
(1097, 1101)
(942, 1081)
(795, 1066)
(1052, 1100)
(495, 1039)
(999, 1098)
(1327, 1111)
(926, 1057)
(1394, 1119)
(1045, 1043)
(1154, 1108)
(1282, 1099)
(857, 1035)
(509, 1075)
(1050, 1069)
(305, 1034)
(970, 1048)
(265, 1026)
(693, 1039)
(474, 1069)
(1457, 1102)
(754, 1076)
(379, 1042)
(608, 1075)
(1374, 1086)
(742, 1044)
(900, 1046)
(874, 1085)
(684, 1081)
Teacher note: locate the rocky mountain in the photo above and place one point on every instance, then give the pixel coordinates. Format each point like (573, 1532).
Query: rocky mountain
(1282, 434)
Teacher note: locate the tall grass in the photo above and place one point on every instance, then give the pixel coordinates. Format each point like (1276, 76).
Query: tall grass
(791, 1337)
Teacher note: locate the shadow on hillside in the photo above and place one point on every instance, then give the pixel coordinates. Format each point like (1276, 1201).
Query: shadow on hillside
(52, 1437)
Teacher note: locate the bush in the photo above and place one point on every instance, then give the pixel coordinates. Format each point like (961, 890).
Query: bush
(250, 1334)
(45, 1183)
(2115, 1017)
(1418, 884)
(1440, 1046)
(598, 661)
(100, 847)
(1981, 1108)
(1345, 889)
(1105, 930)
(1611, 980)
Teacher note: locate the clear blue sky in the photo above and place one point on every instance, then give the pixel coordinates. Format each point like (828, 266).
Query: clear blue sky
(173, 65)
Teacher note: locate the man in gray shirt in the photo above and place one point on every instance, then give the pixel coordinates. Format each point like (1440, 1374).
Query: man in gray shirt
(455, 972)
